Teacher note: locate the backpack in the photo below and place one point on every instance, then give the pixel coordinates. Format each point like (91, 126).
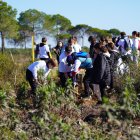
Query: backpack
(77, 55)
(126, 45)
(80, 54)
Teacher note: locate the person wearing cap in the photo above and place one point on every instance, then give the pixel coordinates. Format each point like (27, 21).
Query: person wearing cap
(63, 68)
(82, 63)
(44, 51)
(32, 72)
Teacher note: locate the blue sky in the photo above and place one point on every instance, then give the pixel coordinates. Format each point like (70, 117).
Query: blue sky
(103, 14)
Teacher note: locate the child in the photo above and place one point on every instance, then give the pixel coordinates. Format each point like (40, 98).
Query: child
(81, 63)
(32, 72)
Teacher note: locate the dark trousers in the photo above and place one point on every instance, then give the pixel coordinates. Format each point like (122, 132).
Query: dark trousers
(87, 81)
(102, 86)
(30, 79)
(63, 78)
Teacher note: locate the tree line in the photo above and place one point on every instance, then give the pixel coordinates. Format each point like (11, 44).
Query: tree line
(34, 22)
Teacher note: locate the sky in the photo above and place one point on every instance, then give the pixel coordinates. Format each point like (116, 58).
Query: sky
(103, 14)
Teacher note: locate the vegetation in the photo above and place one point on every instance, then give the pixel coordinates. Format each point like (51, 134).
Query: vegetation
(59, 113)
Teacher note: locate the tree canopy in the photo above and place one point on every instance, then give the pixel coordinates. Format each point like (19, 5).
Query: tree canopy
(37, 22)
(8, 22)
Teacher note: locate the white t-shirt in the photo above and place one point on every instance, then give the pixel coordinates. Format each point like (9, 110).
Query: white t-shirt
(38, 65)
(135, 43)
(77, 47)
(63, 67)
(43, 51)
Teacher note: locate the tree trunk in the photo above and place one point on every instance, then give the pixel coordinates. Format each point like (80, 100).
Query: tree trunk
(2, 42)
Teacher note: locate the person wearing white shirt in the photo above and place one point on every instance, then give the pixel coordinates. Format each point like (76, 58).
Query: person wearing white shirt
(135, 51)
(44, 51)
(32, 72)
(76, 46)
(63, 68)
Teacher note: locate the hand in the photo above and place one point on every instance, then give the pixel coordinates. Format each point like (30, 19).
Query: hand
(66, 75)
(36, 81)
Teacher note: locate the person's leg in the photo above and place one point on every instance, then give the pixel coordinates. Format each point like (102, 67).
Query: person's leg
(30, 79)
(62, 79)
(87, 82)
(102, 88)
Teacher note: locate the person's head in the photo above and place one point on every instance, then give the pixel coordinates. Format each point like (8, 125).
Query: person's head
(60, 43)
(50, 63)
(74, 39)
(70, 59)
(104, 48)
(71, 41)
(44, 40)
(134, 34)
(92, 39)
(68, 49)
(110, 46)
(114, 39)
(123, 34)
(96, 48)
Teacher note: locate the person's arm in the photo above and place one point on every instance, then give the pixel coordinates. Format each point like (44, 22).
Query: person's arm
(49, 54)
(76, 67)
(47, 71)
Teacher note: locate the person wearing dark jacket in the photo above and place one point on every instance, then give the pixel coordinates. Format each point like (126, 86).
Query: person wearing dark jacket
(114, 56)
(101, 69)
(58, 50)
(92, 41)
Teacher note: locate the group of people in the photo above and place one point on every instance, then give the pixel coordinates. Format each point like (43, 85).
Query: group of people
(100, 63)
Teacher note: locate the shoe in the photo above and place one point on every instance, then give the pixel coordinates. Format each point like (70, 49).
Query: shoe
(99, 103)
